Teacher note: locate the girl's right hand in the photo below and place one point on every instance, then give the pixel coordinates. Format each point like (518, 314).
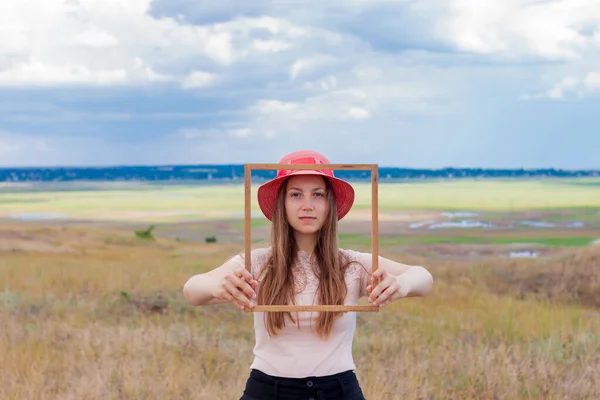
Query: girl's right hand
(238, 288)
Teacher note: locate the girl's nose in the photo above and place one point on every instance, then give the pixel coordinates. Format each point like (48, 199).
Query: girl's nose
(307, 203)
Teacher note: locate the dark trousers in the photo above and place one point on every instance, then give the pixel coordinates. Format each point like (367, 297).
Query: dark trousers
(342, 386)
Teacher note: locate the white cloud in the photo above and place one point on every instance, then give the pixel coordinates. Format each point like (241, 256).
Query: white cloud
(198, 79)
(556, 30)
(299, 66)
(193, 133)
(313, 64)
(568, 84)
(111, 42)
(271, 46)
(13, 146)
(563, 32)
(8, 147)
(357, 113)
(38, 73)
(592, 81)
(372, 91)
(29, 149)
(274, 106)
(569, 87)
(94, 37)
(95, 42)
(240, 132)
(327, 83)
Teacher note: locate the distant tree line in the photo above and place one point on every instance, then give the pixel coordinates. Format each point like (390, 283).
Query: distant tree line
(228, 173)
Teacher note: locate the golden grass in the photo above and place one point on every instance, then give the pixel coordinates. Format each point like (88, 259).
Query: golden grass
(103, 318)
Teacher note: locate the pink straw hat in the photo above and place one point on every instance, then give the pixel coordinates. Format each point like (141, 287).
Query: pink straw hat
(267, 193)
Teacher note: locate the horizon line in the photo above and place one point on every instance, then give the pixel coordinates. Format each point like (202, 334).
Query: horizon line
(81, 166)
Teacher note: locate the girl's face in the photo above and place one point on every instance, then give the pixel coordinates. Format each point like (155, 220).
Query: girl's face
(306, 204)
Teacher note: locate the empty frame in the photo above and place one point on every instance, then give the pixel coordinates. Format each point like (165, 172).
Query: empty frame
(248, 168)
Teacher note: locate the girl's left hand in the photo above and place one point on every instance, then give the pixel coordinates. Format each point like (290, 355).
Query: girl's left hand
(388, 289)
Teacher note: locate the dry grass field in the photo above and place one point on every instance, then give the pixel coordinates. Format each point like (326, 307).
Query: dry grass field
(94, 311)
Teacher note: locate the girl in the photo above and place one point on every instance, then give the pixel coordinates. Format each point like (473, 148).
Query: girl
(305, 355)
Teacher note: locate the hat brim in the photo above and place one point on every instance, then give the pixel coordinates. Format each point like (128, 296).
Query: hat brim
(267, 193)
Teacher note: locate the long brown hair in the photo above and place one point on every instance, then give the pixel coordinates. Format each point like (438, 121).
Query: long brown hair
(277, 286)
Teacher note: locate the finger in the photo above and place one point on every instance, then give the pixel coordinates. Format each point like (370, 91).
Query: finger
(228, 297)
(242, 298)
(247, 282)
(242, 285)
(380, 288)
(244, 274)
(377, 290)
(235, 292)
(378, 275)
(386, 296)
(247, 289)
(225, 294)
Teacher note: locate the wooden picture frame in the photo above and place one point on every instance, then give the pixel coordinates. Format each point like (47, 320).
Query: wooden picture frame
(248, 168)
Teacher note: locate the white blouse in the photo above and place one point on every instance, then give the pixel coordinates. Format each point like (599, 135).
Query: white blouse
(297, 351)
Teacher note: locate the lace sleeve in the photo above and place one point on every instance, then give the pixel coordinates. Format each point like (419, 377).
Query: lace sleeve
(258, 258)
(361, 268)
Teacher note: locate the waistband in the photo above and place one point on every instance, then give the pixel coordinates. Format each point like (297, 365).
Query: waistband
(263, 386)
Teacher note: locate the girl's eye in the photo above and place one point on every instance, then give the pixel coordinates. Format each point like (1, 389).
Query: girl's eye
(299, 194)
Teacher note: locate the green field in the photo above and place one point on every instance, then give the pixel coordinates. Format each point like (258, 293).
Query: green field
(349, 240)
(180, 203)
(197, 212)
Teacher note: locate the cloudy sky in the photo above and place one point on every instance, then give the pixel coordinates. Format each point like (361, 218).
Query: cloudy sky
(421, 83)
